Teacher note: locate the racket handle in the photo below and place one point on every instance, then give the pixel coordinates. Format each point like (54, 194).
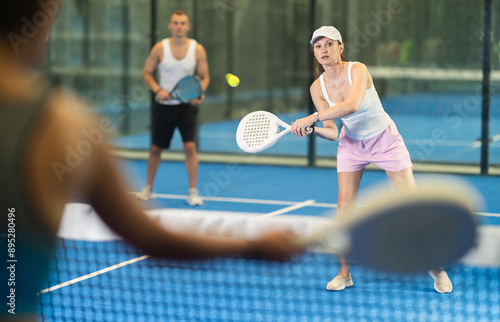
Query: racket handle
(310, 129)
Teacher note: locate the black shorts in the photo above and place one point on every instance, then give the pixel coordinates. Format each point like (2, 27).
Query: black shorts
(165, 118)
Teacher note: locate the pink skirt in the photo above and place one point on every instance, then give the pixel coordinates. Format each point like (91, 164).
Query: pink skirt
(386, 150)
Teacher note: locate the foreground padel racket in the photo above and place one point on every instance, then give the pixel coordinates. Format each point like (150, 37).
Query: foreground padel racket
(187, 89)
(406, 231)
(260, 130)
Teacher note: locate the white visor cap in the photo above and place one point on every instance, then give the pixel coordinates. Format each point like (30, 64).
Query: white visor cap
(328, 32)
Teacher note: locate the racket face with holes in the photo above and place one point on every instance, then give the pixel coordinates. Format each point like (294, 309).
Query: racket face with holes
(259, 131)
(187, 89)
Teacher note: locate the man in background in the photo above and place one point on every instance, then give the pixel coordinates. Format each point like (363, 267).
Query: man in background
(174, 58)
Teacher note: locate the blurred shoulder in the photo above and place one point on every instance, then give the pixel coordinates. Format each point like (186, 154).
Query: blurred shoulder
(70, 124)
(61, 152)
(69, 110)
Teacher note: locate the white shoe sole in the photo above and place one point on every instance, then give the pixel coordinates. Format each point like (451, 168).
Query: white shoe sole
(145, 198)
(195, 203)
(342, 287)
(435, 284)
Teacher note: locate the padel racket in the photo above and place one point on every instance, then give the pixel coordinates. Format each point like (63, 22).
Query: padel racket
(187, 89)
(260, 130)
(406, 231)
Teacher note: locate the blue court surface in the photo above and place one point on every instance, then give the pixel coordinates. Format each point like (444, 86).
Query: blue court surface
(239, 289)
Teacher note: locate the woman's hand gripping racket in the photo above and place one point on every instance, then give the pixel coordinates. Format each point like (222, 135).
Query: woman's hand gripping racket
(260, 130)
(187, 89)
(406, 231)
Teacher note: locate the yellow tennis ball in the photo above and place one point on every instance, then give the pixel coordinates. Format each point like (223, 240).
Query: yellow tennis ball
(232, 80)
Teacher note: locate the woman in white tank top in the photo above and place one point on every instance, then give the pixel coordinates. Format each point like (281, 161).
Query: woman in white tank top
(345, 91)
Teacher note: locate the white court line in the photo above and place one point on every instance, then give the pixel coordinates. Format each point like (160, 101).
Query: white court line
(99, 272)
(287, 209)
(138, 259)
(493, 139)
(244, 200)
(278, 202)
(487, 214)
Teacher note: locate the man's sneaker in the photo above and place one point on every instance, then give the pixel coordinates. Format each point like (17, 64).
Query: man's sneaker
(442, 283)
(339, 283)
(146, 193)
(193, 198)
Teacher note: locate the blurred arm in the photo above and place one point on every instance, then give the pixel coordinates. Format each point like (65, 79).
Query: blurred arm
(202, 66)
(154, 58)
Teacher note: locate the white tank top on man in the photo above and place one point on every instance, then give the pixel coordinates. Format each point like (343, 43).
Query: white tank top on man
(171, 70)
(369, 120)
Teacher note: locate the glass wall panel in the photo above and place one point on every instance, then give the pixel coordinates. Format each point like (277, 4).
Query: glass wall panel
(494, 148)
(425, 58)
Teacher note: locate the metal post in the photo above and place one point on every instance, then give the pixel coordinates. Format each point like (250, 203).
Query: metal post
(195, 18)
(154, 7)
(195, 21)
(311, 156)
(154, 26)
(270, 78)
(485, 130)
(229, 61)
(125, 118)
(86, 32)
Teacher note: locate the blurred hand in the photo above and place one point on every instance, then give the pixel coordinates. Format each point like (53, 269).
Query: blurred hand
(197, 101)
(276, 246)
(163, 95)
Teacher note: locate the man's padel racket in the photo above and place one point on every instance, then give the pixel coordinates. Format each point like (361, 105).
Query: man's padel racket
(260, 130)
(406, 231)
(187, 89)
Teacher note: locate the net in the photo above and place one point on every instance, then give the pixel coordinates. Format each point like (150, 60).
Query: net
(108, 280)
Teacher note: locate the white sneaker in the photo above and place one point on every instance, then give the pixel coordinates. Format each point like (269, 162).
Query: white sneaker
(146, 193)
(442, 283)
(339, 283)
(194, 198)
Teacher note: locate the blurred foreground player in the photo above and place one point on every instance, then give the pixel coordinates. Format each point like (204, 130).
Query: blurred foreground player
(48, 151)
